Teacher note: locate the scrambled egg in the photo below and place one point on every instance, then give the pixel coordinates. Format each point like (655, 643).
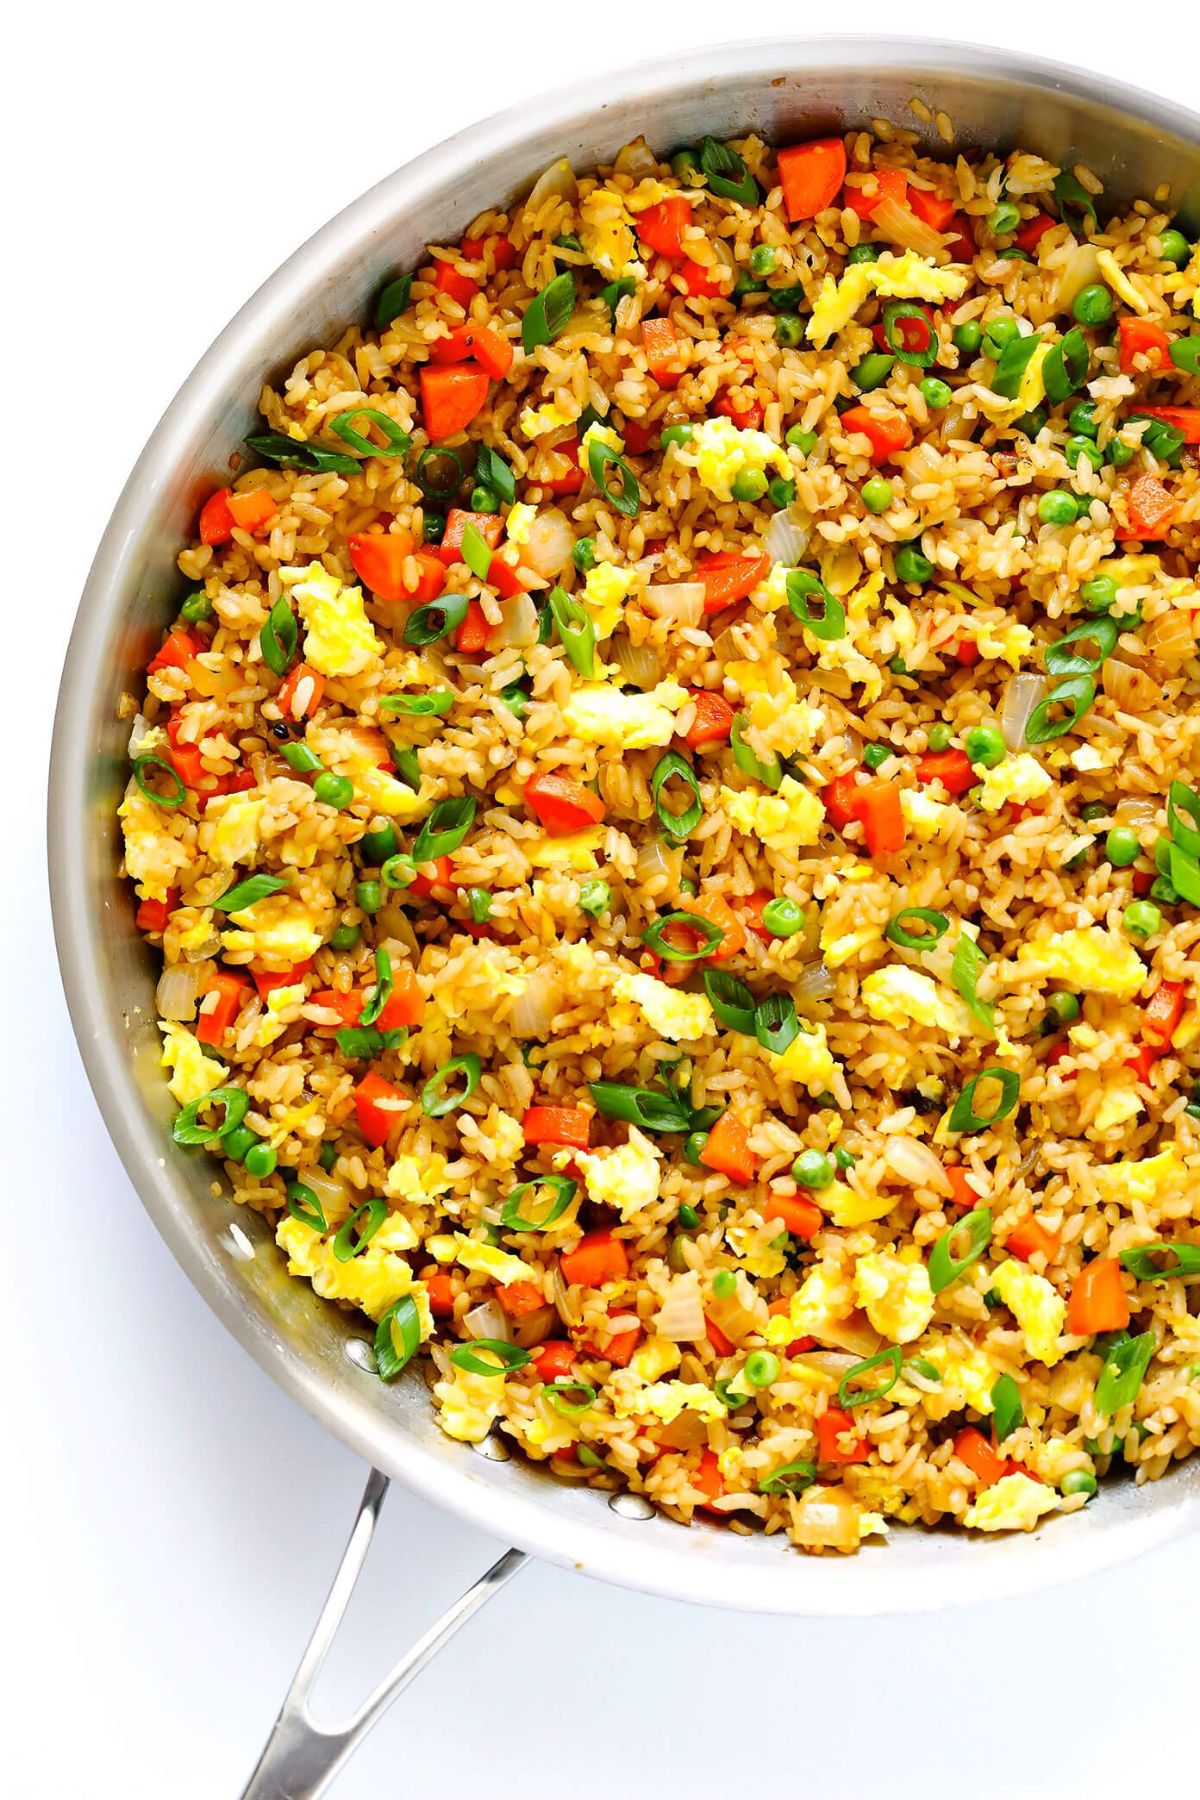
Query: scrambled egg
(192, 1073)
(1032, 389)
(789, 726)
(1093, 959)
(968, 1377)
(339, 638)
(823, 1297)
(756, 1249)
(1014, 1503)
(1009, 643)
(606, 234)
(1037, 1306)
(372, 1280)
(417, 1179)
(358, 757)
(626, 1177)
(153, 855)
(782, 820)
(669, 1011)
(906, 277)
(600, 713)
(896, 1295)
(537, 421)
(485, 1259)
(520, 518)
(1120, 283)
(807, 1060)
(1142, 1180)
(232, 825)
(848, 1209)
(901, 996)
(576, 851)
(720, 451)
(597, 433)
(657, 1357)
(1119, 1103)
(468, 1404)
(771, 593)
(605, 590)
(1020, 778)
(270, 1023)
(665, 1400)
(932, 820)
(278, 931)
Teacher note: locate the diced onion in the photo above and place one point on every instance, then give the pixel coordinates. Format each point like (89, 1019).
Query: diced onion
(658, 866)
(139, 732)
(913, 1162)
(548, 543)
(1172, 637)
(331, 1191)
(635, 159)
(1022, 694)
(682, 601)
(520, 627)
(533, 1328)
(392, 919)
(638, 663)
(826, 1518)
(557, 182)
(813, 983)
(687, 1432)
(856, 1335)
(487, 1320)
(533, 1010)
(826, 1362)
(1136, 812)
(1081, 269)
(900, 225)
(681, 1315)
(178, 990)
(787, 535)
(1132, 689)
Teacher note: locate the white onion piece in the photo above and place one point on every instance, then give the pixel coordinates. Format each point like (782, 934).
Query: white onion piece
(682, 601)
(913, 1162)
(392, 919)
(900, 225)
(331, 1191)
(857, 1335)
(139, 732)
(681, 1315)
(534, 1327)
(178, 990)
(787, 535)
(638, 663)
(658, 865)
(556, 182)
(533, 1011)
(1132, 689)
(1081, 269)
(635, 159)
(487, 1320)
(1022, 694)
(520, 627)
(1136, 812)
(826, 1362)
(548, 544)
(826, 1518)
(813, 983)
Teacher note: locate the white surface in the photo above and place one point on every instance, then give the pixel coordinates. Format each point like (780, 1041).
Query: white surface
(170, 1520)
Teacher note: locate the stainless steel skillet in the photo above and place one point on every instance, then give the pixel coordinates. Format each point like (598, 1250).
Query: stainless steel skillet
(786, 89)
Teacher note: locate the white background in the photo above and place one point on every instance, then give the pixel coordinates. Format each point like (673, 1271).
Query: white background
(168, 1520)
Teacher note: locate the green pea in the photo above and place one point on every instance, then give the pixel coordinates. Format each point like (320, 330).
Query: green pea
(968, 337)
(782, 492)
(595, 897)
(803, 441)
(1141, 919)
(693, 1144)
(941, 735)
(746, 284)
(1057, 508)
(1161, 888)
(762, 1368)
(1078, 1481)
(912, 565)
(782, 917)
(677, 1260)
(863, 253)
(877, 494)
(369, 896)
(1082, 449)
(689, 1218)
(1121, 847)
(196, 607)
(1003, 219)
(1099, 593)
(433, 528)
(483, 500)
(259, 1161)
(875, 755)
(345, 937)
(1173, 247)
(936, 392)
(1093, 810)
(812, 1169)
(583, 554)
(1119, 455)
(1063, 1008)
(844, 1159)
(872, 371)
(333, 790)
(675, 434)
(327, 1155)
(724, 1284)
(1082, 419)
(762, 259)
(1093, 304)
(789, 331)
(985, 746)
(1031, 422)
(749, 485)
(998, 333)
(686, 165)
(237, 1142)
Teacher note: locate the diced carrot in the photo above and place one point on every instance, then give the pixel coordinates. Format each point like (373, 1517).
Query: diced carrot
(833, 1426)
(450, 398)
(1151, 509)
(490, 527)
(801, 1218)
(864, 192)
(728, 577)
(708, 1478)
(472, 635)
(405, 1005)
(300, 693)
(961, 1191)
(221, 1004)
(886, 432)
(187, 762)
(477, 343)
(377, 1108)
(562, 804)
(175, 652)
(959, 240)
(439, 1291)
(639, 437)
(431, 876)
(1057, 1052)
(811, 175)
(713, 721)
(877, 804)
(1032, 232)
(252, 511)
(378, 559)
(216, 520)
(154, 915)
(520, 1298)
(1142, 339)
(840, 798)
(554, 1359)
(932, 209)
(1031, 1239)
(558, 1125)
(1183, 418)
(1098, 1301)
(952, 768)
(1163, 1012)
(1142, 1062)
(972, 1448)
(431, 578)
(562, 473)
(504, 253)
(965, 650)
(745, 411)
(345, 1003)
(267, 980)
(662, 225)
(598, 1257)
(620, 1347)
(753, 906)
(661, 344)
(506, 578)
(716, 1337)
(450, 280)
(703, 283)
(727, 1149)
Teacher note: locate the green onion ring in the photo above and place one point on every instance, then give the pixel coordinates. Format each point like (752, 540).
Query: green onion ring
(1142, 1265)
(304, 1206)
(398, 440)
(351, 1237)
(944, 1267)
(849, 1397)
(508, 1356)
(711, 936)
(149, 760)
(963, 1116)
(187, 1129)
(899, 932)
(434, 1102)
(674, 767)
(561, 1187)
(555, 1394)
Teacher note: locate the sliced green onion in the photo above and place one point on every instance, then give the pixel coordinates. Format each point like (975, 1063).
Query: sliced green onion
(1011, 365)
(711, 936)
(418, 706)
(1077, 692)
(396, 1337)
(444, 829)
(548, 312)
(248, 893)
(1066, 366)
(900, 931)
(1185, 354)
(770, 774)
(279, 638)
(726, 173)
(1181, 800)
(399, 871)
(393, 300)
(382, 991)
(601, 458)
(576, 632)
(407, 765)
(362, 1043)
(963, 1114)
(187, 1129)
(775, 1022)
(508, 1356)
(1007, 1411)
(292, 453)
(615, 292)
(850, 1396)
(897, 342)
(944, 1267)
(1161, 1262)
(1184, 877)
(557, 1394)
(356, 1232)
(789, 1478)
(301, 758)
(673, 767)
(1125, 1365)
(560, 1187)
(475, 552)
(829, 620)
(178, 793)
(435, 1102)
(921, 1365)
(439, 473)
(435, 620)
(398, 440)
(304, 1206)
(1071, 196)
(1061, 659)
(491, 471)
(652, 1108)
(966, 968)
(731, 1000)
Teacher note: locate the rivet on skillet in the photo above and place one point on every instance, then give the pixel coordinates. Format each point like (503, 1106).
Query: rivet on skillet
(361, 1354)
(493, 1448)
(631, 1506)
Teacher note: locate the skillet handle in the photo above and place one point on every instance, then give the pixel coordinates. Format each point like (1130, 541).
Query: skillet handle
(301, 1757)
